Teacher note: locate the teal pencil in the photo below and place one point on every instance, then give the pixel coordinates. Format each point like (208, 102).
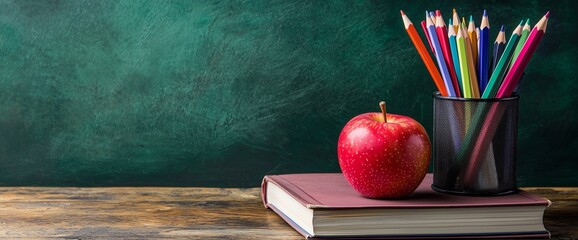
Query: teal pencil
(502, 65)
(455, 58)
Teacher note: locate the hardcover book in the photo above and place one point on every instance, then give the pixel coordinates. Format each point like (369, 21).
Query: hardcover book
(323, 205)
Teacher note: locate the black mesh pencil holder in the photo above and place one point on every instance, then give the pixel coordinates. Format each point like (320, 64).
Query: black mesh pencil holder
(475, 145)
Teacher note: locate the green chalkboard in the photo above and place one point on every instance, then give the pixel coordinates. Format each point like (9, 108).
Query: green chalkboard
(220, 93)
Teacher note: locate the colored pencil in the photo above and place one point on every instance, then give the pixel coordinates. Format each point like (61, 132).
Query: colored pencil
(433, 71)
(499, 46)
(502, 65)
(525, 32)
(471, 66)
(473, 40)
(441, 30)
(424, 28)
(440, 56)
(455, 57)
(488, 126)
(478, 45)
(456, 20)
(475, 146)
(515, 72)
(439, 14)
(484, 59)
(465, 72)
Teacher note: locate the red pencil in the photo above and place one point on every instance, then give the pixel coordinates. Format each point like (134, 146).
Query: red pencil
(442, 33)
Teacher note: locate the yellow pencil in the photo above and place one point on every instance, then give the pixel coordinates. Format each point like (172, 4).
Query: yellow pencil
(465, 72)
(473, 39)
(475, 90)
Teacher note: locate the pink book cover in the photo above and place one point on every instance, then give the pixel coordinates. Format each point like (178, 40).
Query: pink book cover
(331, 190)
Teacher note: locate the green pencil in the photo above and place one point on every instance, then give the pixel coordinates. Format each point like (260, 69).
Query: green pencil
(502, 65)
(461, 42)
(525, 33)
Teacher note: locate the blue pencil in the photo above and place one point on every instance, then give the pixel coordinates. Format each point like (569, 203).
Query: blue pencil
(484, 59)
(439, 55)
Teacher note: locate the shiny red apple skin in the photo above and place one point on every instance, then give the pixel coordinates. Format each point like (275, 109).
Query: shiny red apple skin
(384, 159)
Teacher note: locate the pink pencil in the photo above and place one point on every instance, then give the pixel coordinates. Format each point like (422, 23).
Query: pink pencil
(424, 27)
(513, 76)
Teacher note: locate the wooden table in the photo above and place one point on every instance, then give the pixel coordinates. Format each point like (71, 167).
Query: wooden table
(194, 213)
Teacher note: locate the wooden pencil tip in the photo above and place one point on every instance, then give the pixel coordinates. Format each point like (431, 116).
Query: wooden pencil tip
(485, 15)
(454, 11)
(521, 23)
(548, 14)
(471, 18)
(528, 21)
(402, 13)
(502, 28)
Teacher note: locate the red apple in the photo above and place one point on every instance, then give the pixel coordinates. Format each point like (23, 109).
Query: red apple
(383, 157)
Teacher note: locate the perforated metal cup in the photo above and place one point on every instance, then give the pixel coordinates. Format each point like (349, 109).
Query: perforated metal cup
(475, 145)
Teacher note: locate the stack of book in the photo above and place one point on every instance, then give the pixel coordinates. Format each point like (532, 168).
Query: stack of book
(325, 206)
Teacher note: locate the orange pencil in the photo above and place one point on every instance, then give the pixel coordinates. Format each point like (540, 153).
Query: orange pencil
(431, 67)
(473, 40)
(456, 20)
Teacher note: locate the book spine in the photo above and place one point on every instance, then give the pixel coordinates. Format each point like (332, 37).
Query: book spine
(264, 191)
(291, 189)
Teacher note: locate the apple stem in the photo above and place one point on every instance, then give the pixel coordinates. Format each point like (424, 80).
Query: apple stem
(382, 106)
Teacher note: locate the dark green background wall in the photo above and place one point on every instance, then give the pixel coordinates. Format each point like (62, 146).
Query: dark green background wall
(220, 93)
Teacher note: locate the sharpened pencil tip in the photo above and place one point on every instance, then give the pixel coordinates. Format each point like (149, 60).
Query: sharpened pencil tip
(450, 21)
(548, 14)
(528, 21)
(485, 15)
(438, 13)
(522, 22)
(432, 14)
(402, 13)
(454, 11)
(471, 18)
(502, 28)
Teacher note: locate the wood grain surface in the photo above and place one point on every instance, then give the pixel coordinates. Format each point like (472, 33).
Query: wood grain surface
(190, 213)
